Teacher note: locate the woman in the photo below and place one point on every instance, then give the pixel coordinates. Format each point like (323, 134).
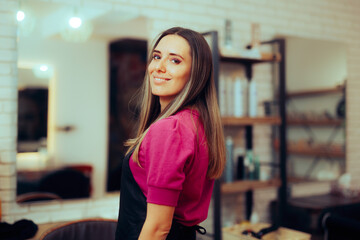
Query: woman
(169, 171)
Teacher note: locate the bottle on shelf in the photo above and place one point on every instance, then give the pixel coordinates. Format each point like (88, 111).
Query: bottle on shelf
(251, 166)
(230, 95)
(229, 166)
(251, 169)
(239, 88)
(256, 168)
(240, 168)
(222, 96)
(252, 98)
(248, 165)
(254, 218)
(239, 156)
(228, 34)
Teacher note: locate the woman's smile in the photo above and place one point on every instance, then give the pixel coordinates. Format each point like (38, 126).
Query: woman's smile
(160, 80)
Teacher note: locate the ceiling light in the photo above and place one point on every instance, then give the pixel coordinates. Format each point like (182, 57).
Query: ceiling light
(78, 28)
(43, 68)
(20, 15)
(42, 71)
(26, 22)
(80, 34)
(75, 22)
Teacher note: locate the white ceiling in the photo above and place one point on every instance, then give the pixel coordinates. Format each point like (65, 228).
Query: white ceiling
(51, 18)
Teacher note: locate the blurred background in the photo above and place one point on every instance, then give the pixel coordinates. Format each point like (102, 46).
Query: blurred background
(70, 72)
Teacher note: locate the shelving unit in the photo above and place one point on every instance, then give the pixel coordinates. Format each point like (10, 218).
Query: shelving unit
(327, 150)
(248, 186)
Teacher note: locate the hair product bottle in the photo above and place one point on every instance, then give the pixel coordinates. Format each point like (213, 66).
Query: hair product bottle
(239, 97)
(252, 99)
(229, 167)
(230, 95)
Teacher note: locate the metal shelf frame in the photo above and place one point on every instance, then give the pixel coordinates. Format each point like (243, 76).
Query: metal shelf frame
(282, 190)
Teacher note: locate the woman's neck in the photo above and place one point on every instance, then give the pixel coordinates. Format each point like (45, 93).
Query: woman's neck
(164, 102)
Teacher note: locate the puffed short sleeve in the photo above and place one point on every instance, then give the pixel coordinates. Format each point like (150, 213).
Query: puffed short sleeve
(168, 147)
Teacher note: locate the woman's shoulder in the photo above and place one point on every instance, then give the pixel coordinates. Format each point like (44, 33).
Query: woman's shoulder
(186, 115)
(184, 126)
(184, 120)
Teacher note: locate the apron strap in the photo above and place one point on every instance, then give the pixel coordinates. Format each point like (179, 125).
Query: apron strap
(200, 229)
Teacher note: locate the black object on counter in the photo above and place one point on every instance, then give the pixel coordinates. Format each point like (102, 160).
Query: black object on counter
(20, 230)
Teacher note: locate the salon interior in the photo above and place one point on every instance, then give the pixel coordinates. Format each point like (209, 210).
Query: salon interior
(287, 79)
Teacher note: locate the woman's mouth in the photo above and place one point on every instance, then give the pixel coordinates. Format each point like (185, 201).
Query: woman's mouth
(160, 80)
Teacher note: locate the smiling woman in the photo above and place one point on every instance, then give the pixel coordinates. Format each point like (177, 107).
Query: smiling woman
(169, 170)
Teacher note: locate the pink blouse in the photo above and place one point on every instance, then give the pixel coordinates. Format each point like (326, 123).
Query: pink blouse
(174, 161)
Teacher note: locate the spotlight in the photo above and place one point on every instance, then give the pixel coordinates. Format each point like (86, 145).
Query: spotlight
(43, 68)
(75, 22)
(26, 21)
(42, 71)
(20, 16)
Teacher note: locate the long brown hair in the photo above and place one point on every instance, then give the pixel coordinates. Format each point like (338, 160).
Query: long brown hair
(199, 93)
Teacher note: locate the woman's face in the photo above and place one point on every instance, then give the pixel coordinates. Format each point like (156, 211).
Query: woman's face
(170, 68)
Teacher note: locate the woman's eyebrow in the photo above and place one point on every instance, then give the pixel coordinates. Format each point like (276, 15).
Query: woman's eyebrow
(172, 54)
(175, 54)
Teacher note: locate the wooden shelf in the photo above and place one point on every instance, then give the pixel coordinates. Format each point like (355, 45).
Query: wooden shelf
(305, 93)
(248, 121)
(316, 151)
(301, 149)
(315, 122)
(296, 180)
(265, 57)
(248, 185)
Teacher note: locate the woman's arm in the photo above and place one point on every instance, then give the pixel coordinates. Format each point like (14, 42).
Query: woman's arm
(157, 223)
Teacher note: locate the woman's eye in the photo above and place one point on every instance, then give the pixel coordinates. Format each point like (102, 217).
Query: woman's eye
(176, 61)
(156, 57)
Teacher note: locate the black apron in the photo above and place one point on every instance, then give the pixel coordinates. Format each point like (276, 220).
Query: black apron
(132, 212)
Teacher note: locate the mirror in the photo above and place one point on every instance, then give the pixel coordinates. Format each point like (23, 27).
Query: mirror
(75, 149)
(33, 89)
(316, 73)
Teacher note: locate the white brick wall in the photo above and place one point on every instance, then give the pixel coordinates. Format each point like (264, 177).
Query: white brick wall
(8, 98)
(321, 19)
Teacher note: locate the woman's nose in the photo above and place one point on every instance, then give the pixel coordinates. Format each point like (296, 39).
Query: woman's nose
(160, 66)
